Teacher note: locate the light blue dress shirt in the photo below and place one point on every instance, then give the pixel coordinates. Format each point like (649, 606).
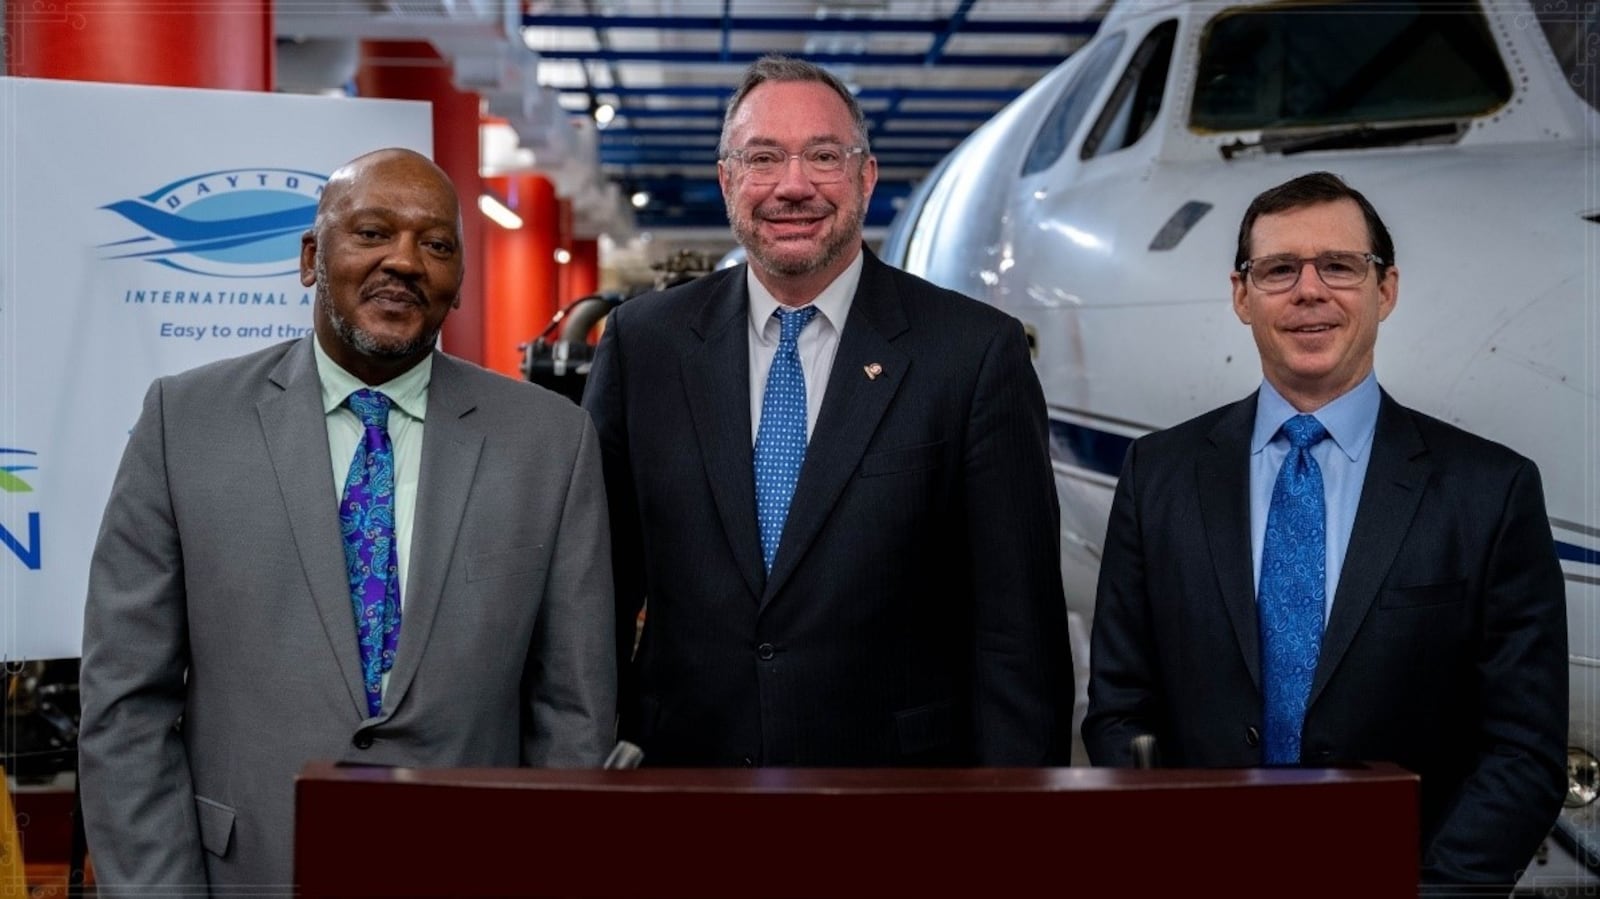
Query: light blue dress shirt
(1351, 420)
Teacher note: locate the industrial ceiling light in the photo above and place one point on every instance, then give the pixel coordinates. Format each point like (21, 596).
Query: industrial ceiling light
(640, 199)
(603, 114)
(498, 212)
(562, 256)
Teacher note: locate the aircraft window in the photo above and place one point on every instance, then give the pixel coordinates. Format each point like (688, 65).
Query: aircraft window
(1137, 97)
(1063, 121)
(1325, 64)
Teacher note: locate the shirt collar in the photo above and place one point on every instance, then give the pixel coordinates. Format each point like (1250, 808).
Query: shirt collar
(1351, 419)
(833, 303)
(408, 392)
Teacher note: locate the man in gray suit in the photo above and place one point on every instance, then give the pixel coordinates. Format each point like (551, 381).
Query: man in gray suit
(222, 647)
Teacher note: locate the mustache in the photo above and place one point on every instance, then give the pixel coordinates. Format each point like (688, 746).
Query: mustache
(394, 286)
(795, 210)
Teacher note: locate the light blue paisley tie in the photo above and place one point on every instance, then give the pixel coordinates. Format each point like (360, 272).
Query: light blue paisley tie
(366, 517)
(1293, 591)
(781, 436)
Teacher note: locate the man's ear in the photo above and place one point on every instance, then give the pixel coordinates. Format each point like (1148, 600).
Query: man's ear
(308, 258)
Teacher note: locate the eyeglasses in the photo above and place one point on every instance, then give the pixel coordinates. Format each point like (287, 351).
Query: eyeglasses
(821, 163)
(1336, 269)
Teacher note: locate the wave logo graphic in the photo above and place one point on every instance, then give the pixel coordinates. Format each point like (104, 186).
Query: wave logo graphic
(10, 481)
(242, 223)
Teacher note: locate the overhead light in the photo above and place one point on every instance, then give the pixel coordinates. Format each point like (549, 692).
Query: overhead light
(498, 212)
(604, 113)
(562, 256)
(640, 199)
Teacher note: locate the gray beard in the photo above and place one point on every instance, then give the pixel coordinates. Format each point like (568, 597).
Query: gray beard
(364, 342)
(744, 231)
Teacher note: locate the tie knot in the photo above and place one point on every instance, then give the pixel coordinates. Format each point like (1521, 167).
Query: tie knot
(371, 407)
(1304, 431)
(792, 321)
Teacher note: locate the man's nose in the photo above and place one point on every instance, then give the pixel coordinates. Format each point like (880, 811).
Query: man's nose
(405, 255)
(794, 180)
(1310, 285)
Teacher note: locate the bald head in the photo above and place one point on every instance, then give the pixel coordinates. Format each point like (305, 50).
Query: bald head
(389, 165)
(385, 256)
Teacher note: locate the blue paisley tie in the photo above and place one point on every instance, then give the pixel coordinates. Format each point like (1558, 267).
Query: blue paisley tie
(366, 517)
(781, 436)
(1293, 590)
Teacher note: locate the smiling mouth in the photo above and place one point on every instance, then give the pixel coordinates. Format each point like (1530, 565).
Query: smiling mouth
(1310, 329)
(393, 296)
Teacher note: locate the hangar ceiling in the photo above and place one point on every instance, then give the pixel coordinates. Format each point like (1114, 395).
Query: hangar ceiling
(927, 72)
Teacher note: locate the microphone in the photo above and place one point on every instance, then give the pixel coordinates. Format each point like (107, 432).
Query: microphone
(1144, 751)
(624, 755)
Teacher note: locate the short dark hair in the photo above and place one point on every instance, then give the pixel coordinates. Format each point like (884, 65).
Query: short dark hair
(1310, 190)
(776, 67)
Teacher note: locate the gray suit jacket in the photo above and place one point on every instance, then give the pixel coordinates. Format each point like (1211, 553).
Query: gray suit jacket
(219, 642)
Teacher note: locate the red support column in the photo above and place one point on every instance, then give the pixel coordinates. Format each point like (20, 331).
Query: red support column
(522, 279)
(413, 70)
(583, 272)
(217, 45)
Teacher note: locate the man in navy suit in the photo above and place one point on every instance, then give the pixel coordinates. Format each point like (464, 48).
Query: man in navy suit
(1438, 634)
(845, 536)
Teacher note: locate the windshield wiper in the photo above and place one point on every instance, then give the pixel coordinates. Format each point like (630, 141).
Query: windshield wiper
(1346, 139)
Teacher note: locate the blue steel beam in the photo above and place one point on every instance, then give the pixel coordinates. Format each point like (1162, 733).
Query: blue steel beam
(744, 57)
(721, 93)
(615, 135)
(1059, 27)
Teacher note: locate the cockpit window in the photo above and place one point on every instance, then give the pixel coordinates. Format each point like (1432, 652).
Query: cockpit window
(1136, 99)
(1063, 121)
(1308, 65)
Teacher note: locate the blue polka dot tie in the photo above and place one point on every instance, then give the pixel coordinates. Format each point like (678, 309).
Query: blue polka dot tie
(366, 518)
(781, 436)
(1293, 591)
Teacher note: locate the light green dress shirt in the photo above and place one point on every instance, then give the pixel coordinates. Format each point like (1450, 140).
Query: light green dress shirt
(408, 395)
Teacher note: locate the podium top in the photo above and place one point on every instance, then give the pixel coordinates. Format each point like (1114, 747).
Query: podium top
(1333, 832)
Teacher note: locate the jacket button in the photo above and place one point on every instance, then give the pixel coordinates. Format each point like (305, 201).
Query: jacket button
(363, 741)
(748, 762)
(1252, 737)
(765, 652)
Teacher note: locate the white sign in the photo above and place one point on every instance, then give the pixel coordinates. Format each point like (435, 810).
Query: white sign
(143, 231)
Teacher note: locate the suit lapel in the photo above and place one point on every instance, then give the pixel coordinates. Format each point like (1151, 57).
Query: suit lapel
(716, 380)
(450, 451)
(1223, 472)
(850, 413)
(1390, 494)
(296, 432)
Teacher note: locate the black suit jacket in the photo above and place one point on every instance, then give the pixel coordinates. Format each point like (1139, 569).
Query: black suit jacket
(914, 614)
(1445, 650)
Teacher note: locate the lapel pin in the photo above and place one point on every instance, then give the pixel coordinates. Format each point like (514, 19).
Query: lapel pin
(872, 369)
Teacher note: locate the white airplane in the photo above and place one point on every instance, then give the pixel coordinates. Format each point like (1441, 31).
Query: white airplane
(1102, 207)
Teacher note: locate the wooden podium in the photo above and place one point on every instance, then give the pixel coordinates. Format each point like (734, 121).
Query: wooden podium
(856, 832)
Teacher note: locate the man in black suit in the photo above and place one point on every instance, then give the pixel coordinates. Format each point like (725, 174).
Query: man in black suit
(1436, 637)
(843, 517)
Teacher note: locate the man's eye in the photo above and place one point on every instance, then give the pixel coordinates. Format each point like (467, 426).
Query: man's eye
(1278, 268)
(1339, 266)
(441, 247)
(369, 233)
(825, 155)
(762, 158)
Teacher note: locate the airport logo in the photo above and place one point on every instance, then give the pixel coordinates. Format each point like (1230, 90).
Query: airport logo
(242, 223)
(12, 463)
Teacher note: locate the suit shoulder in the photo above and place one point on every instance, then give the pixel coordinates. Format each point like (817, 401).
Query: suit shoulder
(679, 302)
(1183, 437)
(931, 299)
(499, 395)
(235, 373)
(1454, 445)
